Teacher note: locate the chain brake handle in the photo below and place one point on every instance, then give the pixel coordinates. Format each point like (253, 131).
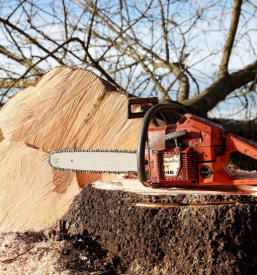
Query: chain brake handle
(144, 103)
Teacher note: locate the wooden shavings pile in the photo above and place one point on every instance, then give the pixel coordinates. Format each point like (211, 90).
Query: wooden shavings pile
(40, 252)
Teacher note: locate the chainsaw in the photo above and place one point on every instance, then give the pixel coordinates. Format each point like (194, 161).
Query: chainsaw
(193, 151)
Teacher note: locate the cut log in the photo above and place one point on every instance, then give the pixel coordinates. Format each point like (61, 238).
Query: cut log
(169, 230)
(66, 109)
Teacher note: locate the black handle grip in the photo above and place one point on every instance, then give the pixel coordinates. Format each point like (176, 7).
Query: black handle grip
(144, 130)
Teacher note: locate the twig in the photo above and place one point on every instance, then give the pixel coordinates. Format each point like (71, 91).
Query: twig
(8, 261)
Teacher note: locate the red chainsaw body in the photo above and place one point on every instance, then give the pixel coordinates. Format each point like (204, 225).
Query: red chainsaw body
(200, 157)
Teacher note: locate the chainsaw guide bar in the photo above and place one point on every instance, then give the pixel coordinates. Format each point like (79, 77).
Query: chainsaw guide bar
(95, 161)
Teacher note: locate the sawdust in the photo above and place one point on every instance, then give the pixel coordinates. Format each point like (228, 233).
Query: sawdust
(43, 253)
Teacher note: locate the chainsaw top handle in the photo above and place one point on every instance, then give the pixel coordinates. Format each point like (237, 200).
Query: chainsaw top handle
(150, 114)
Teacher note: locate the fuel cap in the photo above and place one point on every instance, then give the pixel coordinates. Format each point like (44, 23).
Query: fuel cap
(206, 172)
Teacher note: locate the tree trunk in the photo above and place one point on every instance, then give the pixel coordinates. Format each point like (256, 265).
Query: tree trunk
(169, 231)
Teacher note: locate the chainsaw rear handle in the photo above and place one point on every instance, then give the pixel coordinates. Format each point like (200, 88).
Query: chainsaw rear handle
(248, 141)
(143, 134)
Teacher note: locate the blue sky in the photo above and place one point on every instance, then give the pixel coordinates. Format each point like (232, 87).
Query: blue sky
(201, 40)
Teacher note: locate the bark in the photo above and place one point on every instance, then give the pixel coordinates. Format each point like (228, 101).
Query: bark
(175, 232)
(243, 129)
(183, 91)
(223, 86)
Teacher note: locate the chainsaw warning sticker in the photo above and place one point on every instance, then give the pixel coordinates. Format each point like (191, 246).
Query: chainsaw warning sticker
(171, 165)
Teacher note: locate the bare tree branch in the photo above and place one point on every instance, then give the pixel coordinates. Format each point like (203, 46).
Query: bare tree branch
(158, 48)
(230, 38)
(21, 83)
(91, 24)
(164, 31)
(65, 17)
(32, 40)
(35, 71)
(207, 100)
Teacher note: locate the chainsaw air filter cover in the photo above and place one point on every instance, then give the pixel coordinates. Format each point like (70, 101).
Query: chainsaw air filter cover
(171, 167)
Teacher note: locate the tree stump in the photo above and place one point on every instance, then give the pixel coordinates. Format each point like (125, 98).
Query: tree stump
(169, 230)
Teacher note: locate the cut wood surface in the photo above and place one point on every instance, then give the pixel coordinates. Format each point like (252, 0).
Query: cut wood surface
(66, 109)
(135, 186)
